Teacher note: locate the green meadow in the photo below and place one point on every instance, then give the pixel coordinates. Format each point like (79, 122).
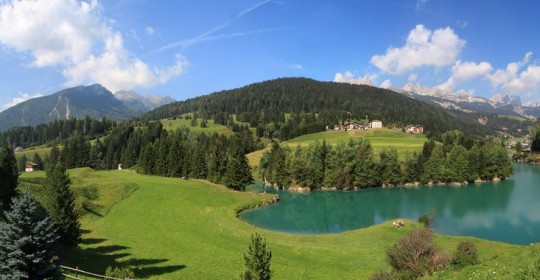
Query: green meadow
(212, 127)
(168, 228)
(42, 151)
(380, 139)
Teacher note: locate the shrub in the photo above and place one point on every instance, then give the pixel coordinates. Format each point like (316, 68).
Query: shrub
(428, 218)
(440, 261)
(120, 272)
(466, 254)
(413, 253)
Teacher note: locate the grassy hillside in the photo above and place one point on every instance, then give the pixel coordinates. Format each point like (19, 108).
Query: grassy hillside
(187, 229)
(212, 127)
(42, 151)
(379, 138)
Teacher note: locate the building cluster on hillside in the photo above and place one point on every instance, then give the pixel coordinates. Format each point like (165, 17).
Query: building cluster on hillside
(415, 129)
(356, 126)
(346, 126)
(525, 144)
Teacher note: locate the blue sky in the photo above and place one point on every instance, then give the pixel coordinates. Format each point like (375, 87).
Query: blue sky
(188, 48)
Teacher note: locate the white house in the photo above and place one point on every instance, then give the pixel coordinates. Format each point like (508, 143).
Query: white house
(376, 124)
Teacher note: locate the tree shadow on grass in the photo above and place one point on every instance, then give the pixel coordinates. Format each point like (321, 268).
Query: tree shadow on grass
(98, 255)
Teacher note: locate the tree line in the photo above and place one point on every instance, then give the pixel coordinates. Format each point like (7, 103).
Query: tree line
(152, 150)
(56, 131)
(353, 164)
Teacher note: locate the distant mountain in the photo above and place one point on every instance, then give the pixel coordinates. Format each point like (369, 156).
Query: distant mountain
(317, 104)
(77, 102)
(505, 105)
(141, 103)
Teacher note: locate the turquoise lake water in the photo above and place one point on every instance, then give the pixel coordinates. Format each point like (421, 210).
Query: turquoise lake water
(507, 211)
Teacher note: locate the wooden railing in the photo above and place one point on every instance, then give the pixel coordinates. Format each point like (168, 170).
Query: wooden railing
(79, 272)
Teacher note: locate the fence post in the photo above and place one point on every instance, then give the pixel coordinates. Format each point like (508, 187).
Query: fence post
(77, 271)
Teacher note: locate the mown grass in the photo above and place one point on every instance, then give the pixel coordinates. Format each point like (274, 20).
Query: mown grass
(379, 138)
(169, 228)
(42, 151)
(212, 127)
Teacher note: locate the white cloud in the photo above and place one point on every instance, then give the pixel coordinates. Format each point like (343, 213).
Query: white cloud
(385, 84)
(462, 71)
(515, 80)
(149, 30)
(21, 98)
(423, 48)
(348, 77)
(413, 77)
(76, 36)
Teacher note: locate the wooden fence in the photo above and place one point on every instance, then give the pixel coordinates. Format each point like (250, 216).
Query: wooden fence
(74, 273)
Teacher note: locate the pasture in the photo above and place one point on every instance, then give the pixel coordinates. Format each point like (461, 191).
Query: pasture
(168, 228)
(380, 139)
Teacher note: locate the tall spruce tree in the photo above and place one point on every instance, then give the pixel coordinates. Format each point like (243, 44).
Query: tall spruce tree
(238, 173)
(28, 242)
(60, 203)
(257, 260)
(9, 176)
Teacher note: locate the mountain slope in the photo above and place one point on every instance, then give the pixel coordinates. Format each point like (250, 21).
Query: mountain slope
(141, 103)
(269, 101)
(94, 101)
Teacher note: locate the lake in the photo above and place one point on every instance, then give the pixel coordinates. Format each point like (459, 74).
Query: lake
(507, 211)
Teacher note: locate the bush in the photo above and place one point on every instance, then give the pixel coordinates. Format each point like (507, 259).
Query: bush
(440, 261)
(428, 218)
(466, 254)
(413, 253)
(120, 272)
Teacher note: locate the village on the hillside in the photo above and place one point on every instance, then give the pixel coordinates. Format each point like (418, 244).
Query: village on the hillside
(346, 126)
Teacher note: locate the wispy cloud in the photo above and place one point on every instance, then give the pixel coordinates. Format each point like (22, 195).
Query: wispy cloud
(21, 98)
(208, 35)
(420, 3)
(188, 42)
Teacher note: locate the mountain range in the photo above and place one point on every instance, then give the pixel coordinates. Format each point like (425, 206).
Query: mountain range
(94, 101)
(502, 105)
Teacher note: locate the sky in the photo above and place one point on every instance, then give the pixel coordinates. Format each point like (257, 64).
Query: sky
(185, 49)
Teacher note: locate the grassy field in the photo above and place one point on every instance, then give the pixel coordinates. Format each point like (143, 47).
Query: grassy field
(211, 126)
(169, 228)
(379, 138)
(29, 152)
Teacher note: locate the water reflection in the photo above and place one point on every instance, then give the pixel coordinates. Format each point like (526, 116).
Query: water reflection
(506, 211)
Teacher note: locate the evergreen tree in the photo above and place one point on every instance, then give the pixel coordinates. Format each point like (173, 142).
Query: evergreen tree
(21, 163)
(238, 173)
(9, 176)
(458, 165)
(365, 173)
(37, 160)
(257, 260)
(389, 168)
(60, 203)
(28, 242)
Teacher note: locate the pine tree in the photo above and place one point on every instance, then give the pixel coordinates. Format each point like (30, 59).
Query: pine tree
(21, 163)
(60, 203)
(257, 260)
(9, 176)
(238, 173)
(28, 242)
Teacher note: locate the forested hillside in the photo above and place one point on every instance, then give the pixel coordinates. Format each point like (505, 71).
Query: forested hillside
(313, 105)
